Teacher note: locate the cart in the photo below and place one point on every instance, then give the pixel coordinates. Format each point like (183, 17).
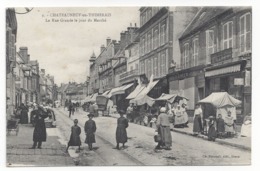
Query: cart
(13, 126)
(102, 104)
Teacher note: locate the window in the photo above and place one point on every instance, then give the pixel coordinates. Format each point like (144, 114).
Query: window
(185, 55)
(228, 35)
(149, 43)
(195, 52)
(156, 38)
(245, 32)
(149, 68)
(163, 65)
(209, 44)
(142, 46)
(149, 14)
(136, 67)
(142, 67)
(155, 66)
(163, 34)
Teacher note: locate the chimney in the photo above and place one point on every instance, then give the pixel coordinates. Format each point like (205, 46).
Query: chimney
(102, 48)
(122, 39)
(43, 71)
(24, 53)
(108, 41)
(28, 57)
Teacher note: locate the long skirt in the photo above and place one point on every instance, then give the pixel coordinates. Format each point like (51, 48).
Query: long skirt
(24, 117)
(165, 133)
(121, 135)
(90, 138)
(197, 125)
(229, 128)
(212, 134)
(74, 140)
(246, 130)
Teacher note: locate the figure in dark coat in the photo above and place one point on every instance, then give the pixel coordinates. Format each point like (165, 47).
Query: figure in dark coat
(121, 134)
(90, 129)
(212, 131)
(71, 109)
(24, 114)
(75, 136)
(220, 126)
(39, 133)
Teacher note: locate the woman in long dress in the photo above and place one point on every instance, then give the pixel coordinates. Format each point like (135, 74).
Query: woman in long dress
(229, 124)
(24, 114)
(220, 126)
(163, 128)
(179, 117)
(121, 134)
(90, 129)
(197, 120)
(75, 136)
(212, 134)
(246, 126)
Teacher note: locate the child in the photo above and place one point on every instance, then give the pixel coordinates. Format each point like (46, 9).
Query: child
(90, 129)
(212, 131)
(220, 126)
(74, 137)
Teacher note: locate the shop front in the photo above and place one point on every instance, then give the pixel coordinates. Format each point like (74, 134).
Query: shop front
(189, 83)
(230, 78)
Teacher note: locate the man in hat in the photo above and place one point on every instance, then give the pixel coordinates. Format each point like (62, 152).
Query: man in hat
(90, 129)
(163, 128)
(121, 134)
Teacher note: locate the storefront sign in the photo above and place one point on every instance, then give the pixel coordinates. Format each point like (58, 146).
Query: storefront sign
(238, 81)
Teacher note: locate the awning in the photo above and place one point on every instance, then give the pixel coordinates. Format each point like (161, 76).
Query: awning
(141, 100)
(230, 69)
(147, 89)
(93, 98)
(137, 90)
(121, 90)
(106, 93)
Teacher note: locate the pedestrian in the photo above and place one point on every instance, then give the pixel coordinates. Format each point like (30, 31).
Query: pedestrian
(197, 120)
(24, 114)
(91, 108)
(212, 131)
(185, 115)
(246, 126)
(74, 136)
(179, 119)
(129, 111)
(95, 109)
(121, 134)
(229, 124)
(220, 126)
(39, 133)
(71, 109)
(90, 129)
(163, 128)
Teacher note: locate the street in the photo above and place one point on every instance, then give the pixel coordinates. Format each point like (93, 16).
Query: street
(186, 150)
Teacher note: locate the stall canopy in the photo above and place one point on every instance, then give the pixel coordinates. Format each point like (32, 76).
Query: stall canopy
(137, 90)
(106, 93)
(147, 89)
(170, 97)
(221, 99)
(141, 100)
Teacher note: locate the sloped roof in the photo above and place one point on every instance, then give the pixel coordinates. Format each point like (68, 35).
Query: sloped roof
(204, 15)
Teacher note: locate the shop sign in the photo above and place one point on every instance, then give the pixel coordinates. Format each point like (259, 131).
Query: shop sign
(238, 81)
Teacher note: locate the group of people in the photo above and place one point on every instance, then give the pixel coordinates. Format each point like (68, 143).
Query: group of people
(90, 129)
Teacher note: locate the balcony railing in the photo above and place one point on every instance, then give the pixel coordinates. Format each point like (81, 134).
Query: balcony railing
(128, 74)
(221, 56)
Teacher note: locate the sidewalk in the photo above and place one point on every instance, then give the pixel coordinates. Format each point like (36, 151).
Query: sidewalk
(239, 142)
(51, 154)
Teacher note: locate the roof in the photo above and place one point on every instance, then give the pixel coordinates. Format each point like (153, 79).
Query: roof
(204, 15)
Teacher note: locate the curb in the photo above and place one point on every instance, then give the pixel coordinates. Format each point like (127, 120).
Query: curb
(217, 140)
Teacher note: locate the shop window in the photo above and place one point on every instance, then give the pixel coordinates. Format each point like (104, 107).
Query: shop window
(228, 35)
(245, 33)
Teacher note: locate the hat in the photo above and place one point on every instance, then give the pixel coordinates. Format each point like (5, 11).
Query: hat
(163, 109)
(90, 115)
(211, 117)
(121, 111)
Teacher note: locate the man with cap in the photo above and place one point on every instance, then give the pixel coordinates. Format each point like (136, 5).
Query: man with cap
(90, 129)
(163, 128)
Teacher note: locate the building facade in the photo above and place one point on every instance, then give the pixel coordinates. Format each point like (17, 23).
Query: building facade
(216, 56)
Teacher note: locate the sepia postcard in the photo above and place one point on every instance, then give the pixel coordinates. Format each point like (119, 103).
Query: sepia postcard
(128, 86)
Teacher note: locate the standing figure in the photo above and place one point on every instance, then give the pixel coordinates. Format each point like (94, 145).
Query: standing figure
(220, 126)
(197, 120)
(91, 108)
(163, 128)
(121, 134)
(246, 126)
(179, 118)
(39, 133)
(90, 129)
(130, 112)
(185, 115)
(212, 131)
(74, 136)
(24, 114)
(229, 124)
(71, 109)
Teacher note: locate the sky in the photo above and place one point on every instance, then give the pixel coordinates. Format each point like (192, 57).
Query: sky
(63, 49)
